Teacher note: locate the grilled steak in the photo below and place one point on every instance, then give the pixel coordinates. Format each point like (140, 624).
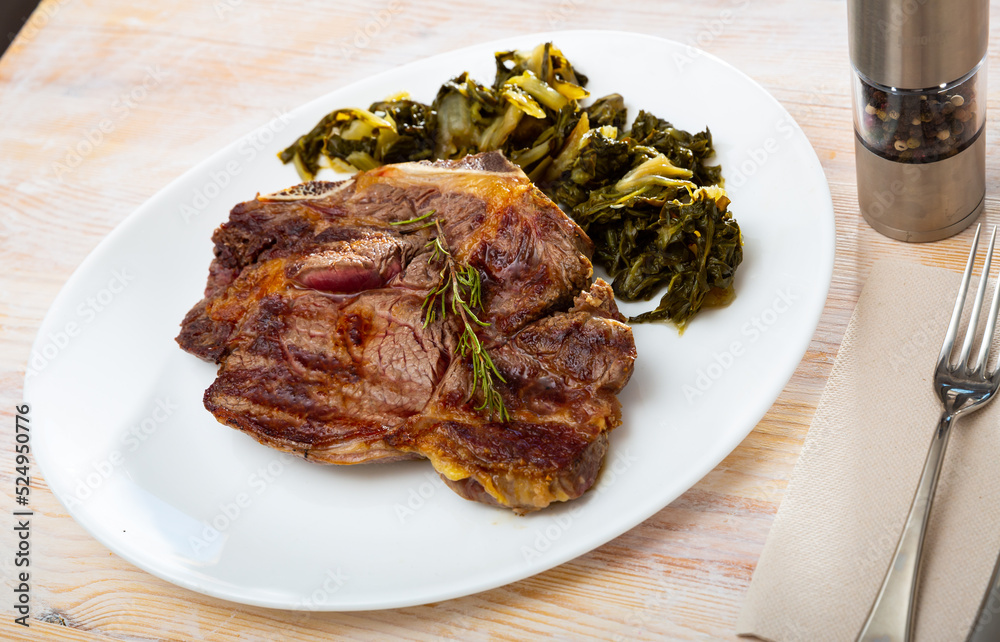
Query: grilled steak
(314, 309)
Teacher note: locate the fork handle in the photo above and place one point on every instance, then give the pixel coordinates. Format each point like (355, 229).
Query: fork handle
(891, 617)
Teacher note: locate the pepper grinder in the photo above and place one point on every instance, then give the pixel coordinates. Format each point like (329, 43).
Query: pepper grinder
(919, 96)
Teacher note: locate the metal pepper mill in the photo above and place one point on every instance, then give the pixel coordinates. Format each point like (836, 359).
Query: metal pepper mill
(919, 96)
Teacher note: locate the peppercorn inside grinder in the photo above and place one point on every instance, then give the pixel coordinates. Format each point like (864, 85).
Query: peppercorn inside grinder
(919, 89)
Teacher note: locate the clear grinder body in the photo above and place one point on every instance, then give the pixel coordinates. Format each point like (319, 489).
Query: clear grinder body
(919, 98)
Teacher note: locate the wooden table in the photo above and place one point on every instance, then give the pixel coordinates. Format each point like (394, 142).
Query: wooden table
(215, 70)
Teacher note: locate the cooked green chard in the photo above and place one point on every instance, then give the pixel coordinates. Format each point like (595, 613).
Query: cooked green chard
(464, 110)
(591, 159)
(689, 151)
(656, 231)
(646, 195)
(387, 132)
(609, 110)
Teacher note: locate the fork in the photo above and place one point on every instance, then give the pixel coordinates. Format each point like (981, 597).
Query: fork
(963, 387)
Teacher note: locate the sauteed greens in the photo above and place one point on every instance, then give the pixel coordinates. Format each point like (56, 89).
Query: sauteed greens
(655, 210)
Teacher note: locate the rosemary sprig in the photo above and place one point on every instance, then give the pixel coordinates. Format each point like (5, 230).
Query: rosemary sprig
(459, 291)
(417, 219)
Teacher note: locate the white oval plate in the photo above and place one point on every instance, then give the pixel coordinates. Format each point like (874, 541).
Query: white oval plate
(126, 445)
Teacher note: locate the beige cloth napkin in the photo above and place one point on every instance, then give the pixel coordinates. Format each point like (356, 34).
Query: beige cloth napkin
(836, 530)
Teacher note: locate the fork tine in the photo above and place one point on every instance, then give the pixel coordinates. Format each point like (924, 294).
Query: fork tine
(956, 316)
(977, 306)
(991, 323)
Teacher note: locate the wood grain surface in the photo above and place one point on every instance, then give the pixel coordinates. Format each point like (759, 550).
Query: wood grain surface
(215, 70)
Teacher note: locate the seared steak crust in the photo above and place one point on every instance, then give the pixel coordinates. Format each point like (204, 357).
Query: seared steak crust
(314, 311)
